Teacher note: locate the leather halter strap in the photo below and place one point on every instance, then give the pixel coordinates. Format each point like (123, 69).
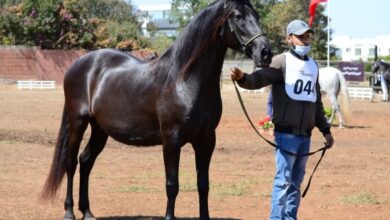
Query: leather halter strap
(244, 44)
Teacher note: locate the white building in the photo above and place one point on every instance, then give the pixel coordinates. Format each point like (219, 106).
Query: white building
(158, 14)
(350, 49)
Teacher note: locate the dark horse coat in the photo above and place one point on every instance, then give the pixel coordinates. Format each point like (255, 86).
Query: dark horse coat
(383, 68)
(171, 100)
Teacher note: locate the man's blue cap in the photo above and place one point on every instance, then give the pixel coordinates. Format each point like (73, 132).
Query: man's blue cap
(298, 27)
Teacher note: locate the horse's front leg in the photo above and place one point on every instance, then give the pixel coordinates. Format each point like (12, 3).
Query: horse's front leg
(204, 147)
(171, 151)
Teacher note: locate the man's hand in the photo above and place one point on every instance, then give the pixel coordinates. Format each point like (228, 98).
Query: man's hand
(329, 140)
(236, 74)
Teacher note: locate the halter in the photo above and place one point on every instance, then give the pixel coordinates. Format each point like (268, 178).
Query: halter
(244, 44)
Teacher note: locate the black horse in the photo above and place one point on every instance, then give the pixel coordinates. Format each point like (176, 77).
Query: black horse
(170, 100)
(382, 67)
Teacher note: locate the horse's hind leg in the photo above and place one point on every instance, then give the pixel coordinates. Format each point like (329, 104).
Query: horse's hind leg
(335, 108)
(87, 158)
(341, 119)
(78, 125)
(204, 147)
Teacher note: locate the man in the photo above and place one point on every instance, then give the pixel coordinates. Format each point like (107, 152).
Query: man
(297, 109)
(385, 91)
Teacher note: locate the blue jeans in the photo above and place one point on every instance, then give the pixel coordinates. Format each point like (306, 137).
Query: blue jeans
(290, 170)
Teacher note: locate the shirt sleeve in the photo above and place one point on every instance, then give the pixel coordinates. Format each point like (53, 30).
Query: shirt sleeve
(264, 76)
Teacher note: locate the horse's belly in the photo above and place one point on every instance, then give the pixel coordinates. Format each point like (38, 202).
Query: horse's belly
(137, 139)
(139, 131)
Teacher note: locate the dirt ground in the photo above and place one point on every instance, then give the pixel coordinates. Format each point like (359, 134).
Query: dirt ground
(352, 182)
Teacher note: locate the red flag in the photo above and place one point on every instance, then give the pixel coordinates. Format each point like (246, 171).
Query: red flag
(312, 9)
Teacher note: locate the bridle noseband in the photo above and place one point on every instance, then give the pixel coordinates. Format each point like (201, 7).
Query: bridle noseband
(243, 44)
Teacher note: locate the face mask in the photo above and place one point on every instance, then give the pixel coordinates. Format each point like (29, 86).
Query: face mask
(301, 50)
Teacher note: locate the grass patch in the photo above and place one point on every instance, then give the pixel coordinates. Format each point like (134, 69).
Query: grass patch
(188, 182)
(135, 189)
(267, 194)
(361, 198)
(100, 176)
(237, 189)
(188, 187)
(8, 142)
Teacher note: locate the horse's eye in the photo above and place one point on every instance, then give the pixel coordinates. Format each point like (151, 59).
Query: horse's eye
(238, 17)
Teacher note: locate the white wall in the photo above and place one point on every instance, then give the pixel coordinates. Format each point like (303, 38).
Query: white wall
(349, 47)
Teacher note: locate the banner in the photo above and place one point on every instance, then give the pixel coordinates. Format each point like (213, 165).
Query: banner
(352, 71)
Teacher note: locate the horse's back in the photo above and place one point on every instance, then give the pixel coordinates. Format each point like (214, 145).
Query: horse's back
(116, 89)
(97, 60)
(329, 79)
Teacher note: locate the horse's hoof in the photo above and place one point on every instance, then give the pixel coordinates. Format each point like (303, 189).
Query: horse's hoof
(88, 215)
(169, 218)
(69, 216)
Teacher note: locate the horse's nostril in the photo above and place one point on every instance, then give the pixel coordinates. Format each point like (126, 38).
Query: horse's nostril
(266, 54)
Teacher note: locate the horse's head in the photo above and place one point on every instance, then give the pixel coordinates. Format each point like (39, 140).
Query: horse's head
(243, 33)
(376, 66)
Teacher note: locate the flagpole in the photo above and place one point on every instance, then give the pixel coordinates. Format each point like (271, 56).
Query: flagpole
(328, 52)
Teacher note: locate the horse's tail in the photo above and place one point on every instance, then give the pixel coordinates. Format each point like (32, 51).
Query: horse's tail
(345, 106)
(58, 166)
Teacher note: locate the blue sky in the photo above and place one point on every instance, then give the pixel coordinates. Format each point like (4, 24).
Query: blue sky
(357, 18)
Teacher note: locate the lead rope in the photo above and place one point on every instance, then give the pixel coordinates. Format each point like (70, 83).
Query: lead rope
(323, 149)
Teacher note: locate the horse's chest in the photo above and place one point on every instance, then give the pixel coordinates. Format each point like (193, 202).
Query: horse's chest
(205, 116)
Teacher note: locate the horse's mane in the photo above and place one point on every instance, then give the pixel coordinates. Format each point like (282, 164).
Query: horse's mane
(201, 33)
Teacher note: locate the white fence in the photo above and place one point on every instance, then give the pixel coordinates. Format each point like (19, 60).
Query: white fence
(32, 84)
(361, 93)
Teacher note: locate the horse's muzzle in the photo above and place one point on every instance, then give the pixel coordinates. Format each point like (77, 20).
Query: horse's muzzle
(265, 58)
(266, 55)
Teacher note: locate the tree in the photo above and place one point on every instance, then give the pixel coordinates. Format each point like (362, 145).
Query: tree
(66, 24)
(281, 13)
(274, 18)
(161, 42)
(184, 10)
(113, 10)
(263, 7)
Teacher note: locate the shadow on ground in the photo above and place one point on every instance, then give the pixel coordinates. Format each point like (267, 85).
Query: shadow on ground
(154, 218)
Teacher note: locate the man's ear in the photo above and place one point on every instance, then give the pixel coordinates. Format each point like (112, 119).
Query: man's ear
(289, 39)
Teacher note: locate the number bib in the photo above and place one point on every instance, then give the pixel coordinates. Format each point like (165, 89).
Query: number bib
(301, 78)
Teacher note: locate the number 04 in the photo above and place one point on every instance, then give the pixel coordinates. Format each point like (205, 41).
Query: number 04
(300, 87)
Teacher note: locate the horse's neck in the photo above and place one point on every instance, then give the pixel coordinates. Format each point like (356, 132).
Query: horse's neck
(208, 65)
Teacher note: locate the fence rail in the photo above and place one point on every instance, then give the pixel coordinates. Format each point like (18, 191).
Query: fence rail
(361, 93)
(33, 84)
